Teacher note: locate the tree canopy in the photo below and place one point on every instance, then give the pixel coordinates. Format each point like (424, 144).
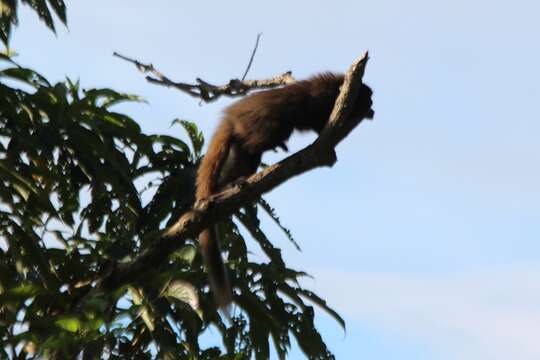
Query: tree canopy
(83, 189)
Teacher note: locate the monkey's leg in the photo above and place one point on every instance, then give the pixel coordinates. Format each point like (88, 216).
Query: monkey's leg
(240, 164)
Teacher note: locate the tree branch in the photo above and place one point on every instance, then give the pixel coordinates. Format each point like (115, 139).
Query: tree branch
(204, 213)
(208, 92)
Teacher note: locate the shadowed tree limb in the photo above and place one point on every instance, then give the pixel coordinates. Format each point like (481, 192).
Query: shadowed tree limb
(204, 213)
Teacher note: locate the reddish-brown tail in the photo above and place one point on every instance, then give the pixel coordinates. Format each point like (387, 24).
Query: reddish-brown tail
(217, 274)
(207, 177)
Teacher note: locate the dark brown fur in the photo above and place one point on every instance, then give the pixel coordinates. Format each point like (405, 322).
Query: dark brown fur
(251, 126)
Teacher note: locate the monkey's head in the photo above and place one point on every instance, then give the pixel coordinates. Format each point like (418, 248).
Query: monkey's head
(362, 107)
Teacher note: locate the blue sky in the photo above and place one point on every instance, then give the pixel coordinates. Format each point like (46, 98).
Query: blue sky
(424, 235)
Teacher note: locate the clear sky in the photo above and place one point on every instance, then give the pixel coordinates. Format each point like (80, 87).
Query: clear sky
(425, 234)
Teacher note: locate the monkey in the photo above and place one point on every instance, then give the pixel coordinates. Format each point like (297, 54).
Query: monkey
(257, 123)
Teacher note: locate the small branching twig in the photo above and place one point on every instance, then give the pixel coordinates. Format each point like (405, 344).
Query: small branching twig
(204, 90)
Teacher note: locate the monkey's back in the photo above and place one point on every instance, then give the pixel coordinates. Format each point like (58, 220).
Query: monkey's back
(265, 119)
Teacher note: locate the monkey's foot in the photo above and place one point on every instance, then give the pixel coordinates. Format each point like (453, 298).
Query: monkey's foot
(239, 182)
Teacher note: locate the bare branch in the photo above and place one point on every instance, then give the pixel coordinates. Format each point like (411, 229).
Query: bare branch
(208, 92)
(319, 153)
(337, 129)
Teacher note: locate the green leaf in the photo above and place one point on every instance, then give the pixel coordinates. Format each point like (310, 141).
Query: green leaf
(24, 185)
(40, 7)
(273, 253)
(27, 76)
(183, 291)
(186, 254)
(107, 97)
(69, 323)
(35, 255)
(272, 213)
(26, 290)
(144, 311)
(171, 141)
(59, 8)
(322, 304)
(8, 18)
(195, 136)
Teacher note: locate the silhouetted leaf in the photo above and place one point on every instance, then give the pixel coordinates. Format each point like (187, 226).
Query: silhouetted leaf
(59, 9)
(26, 76)
(195, 136)
(183, 291)
(272, 213)
(322, 303)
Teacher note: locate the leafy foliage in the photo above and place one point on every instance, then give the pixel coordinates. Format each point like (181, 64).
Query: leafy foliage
(81, 188)
(43, 8)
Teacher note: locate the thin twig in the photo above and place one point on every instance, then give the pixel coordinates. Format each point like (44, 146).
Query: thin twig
(145, 68)
(252, 56)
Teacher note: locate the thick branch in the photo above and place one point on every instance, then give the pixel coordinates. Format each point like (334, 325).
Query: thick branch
(206, 91)
(204, 213)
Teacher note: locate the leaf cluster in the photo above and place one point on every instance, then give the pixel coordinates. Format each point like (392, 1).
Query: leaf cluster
(82, 188)
(43, 8)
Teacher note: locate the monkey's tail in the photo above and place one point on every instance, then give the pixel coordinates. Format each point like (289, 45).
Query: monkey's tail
(207, 178)
(217, 273)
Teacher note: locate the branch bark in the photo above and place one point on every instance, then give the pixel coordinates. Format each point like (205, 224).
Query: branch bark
(319, 153)
(204, 90)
